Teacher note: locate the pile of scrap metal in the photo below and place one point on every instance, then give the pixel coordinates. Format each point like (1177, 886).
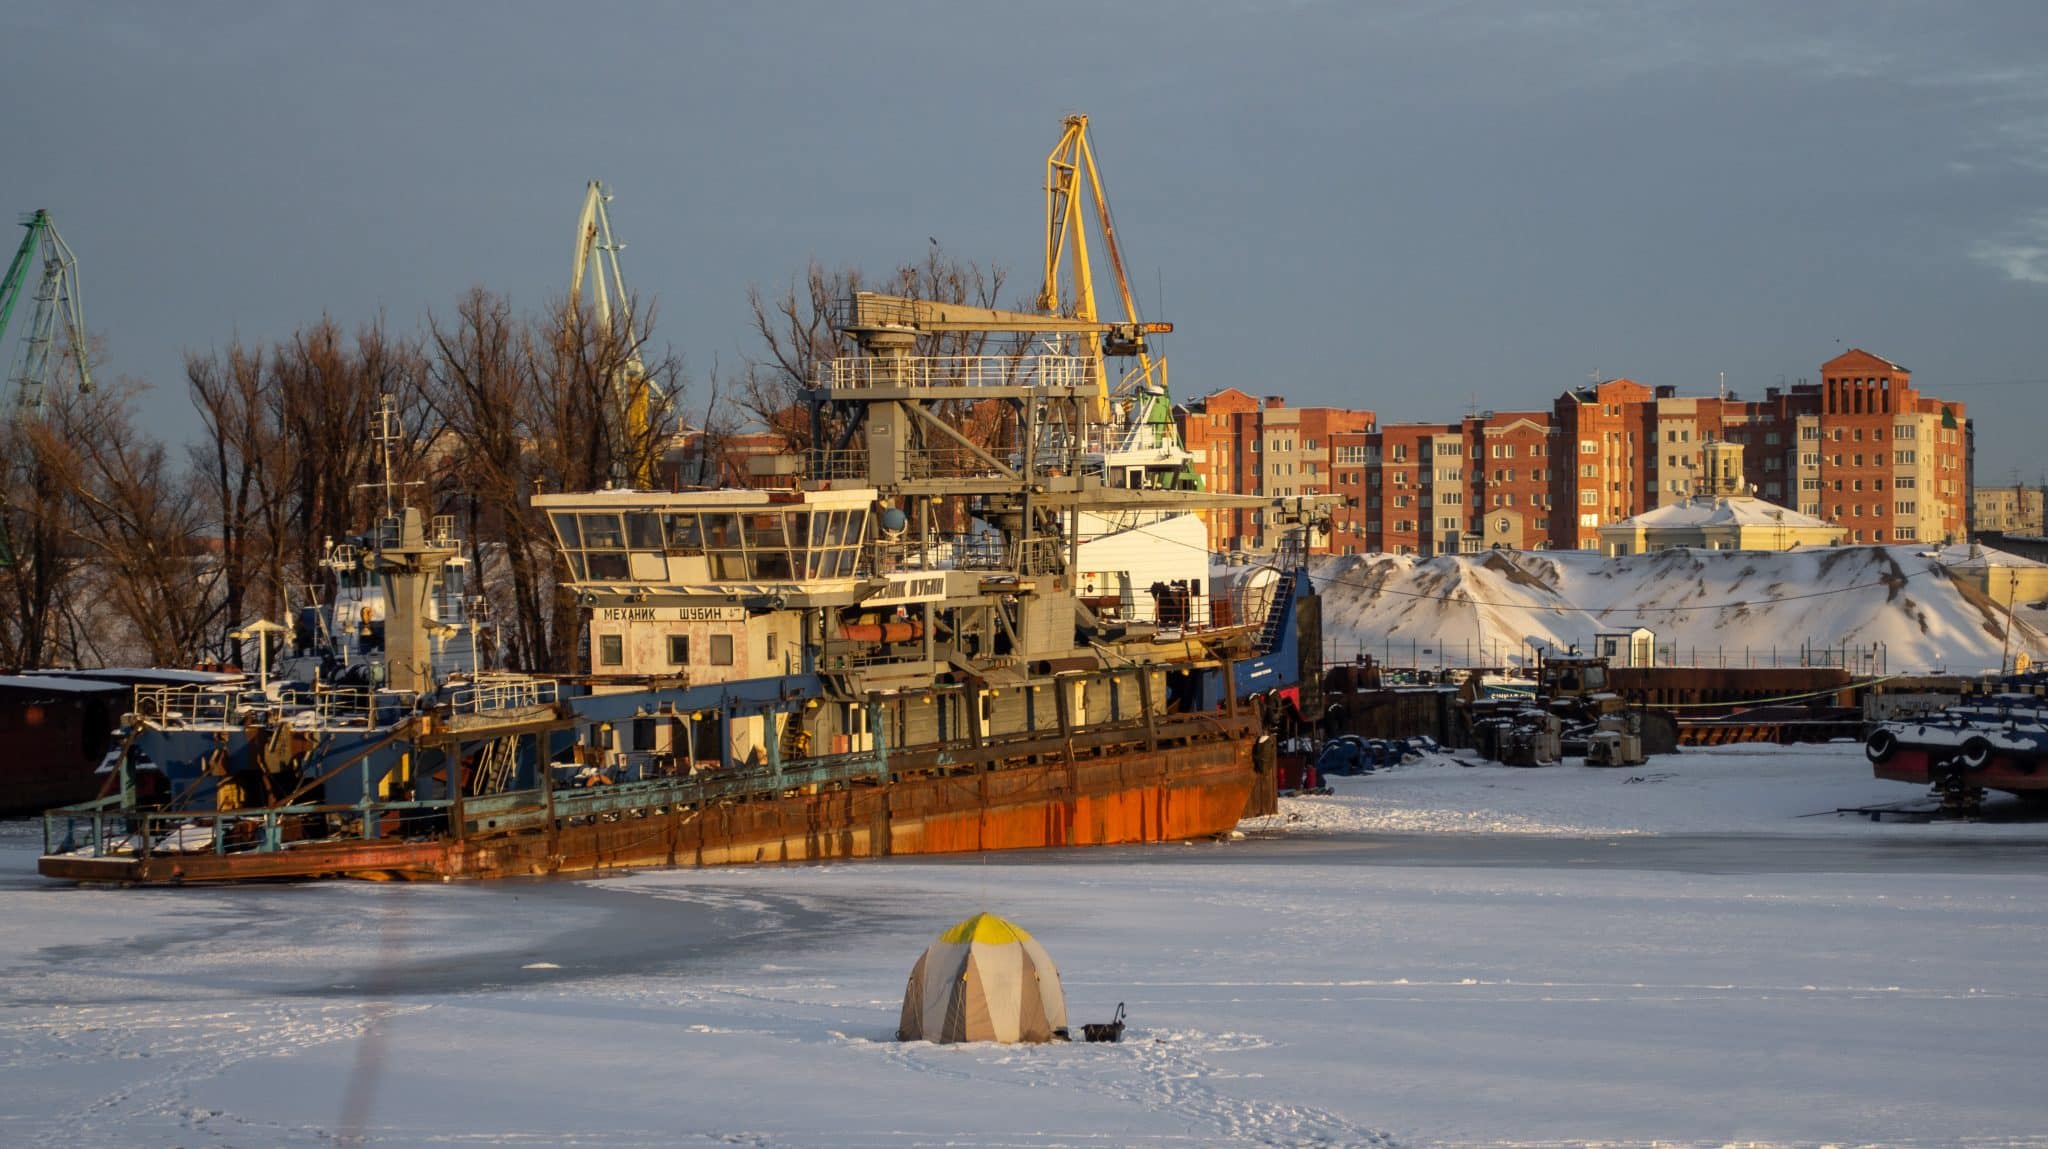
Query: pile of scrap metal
(1517, 733)
(1992, 742)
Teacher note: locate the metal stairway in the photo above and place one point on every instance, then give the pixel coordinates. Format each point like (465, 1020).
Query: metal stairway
(1277, 613)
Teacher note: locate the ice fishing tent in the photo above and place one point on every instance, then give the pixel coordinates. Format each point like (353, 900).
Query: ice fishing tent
(983, 980)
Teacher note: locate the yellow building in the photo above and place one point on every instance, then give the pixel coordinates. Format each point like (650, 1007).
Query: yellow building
(1722, 517)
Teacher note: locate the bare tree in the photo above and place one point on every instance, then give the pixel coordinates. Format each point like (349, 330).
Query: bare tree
(530, 405)
(798, 331)
(37, 560)
(233, 468)
(139, 525)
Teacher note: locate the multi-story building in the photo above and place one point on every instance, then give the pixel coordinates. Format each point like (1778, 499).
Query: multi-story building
(1862, 449)
(1262, 447)
(2014, 510)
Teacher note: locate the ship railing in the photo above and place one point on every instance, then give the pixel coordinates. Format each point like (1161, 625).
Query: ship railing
(940, 372)
(490, 692)
(932, 461)
(196, 704)
(104, 828)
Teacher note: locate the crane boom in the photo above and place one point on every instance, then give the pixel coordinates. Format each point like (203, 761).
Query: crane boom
(59, 298)
(594, 244)
(1071, 176)
(10, 288)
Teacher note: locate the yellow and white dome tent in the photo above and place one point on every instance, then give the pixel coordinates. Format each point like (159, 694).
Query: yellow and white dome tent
(983, 980)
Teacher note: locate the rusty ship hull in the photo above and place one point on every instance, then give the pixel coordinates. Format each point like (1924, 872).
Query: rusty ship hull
(1177, 779)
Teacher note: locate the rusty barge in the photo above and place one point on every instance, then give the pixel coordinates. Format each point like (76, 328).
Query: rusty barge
(930, 643)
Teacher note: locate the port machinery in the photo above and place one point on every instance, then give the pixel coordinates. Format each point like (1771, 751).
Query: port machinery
(902, 654)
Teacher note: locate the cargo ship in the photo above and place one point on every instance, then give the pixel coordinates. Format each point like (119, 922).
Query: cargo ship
(930, 643)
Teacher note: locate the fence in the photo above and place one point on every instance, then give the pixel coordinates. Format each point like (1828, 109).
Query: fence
(1420, 653)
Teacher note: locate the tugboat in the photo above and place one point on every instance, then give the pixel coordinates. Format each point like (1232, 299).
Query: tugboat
(909, 652)
(1995, 738)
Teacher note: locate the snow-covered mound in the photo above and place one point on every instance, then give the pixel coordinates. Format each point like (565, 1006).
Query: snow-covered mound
(1894, 607)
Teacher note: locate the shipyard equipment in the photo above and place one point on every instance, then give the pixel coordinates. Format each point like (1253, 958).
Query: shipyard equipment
(597, 259)
(58, 303)
(1072, 184)
(901, 654)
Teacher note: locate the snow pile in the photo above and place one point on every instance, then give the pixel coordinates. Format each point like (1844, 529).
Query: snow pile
(1705, 790)
(1895, 608)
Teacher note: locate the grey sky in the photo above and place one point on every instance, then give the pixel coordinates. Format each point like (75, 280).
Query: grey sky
(1399, 207)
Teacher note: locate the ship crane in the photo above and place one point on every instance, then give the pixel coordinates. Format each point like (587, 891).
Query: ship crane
(1072, 184)
(597, 258)
(58, 300)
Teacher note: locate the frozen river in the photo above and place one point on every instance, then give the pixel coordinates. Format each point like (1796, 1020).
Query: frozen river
(1783, 981)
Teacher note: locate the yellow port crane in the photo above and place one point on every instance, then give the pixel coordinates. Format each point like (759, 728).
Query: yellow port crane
(1071, 177)
(595, 246)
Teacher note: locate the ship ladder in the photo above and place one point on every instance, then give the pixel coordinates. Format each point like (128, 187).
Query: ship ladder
(495, 766)
(1276, 613)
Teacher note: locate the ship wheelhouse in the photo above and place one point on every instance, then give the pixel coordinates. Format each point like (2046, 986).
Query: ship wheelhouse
(632, 541)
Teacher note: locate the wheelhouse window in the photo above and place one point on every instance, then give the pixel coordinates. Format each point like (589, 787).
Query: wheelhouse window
(766, 544)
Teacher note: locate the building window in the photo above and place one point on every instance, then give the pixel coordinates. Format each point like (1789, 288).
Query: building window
(1589, 498)
(1588, 447)
(611, 650)
(678, 649)
(721, 650)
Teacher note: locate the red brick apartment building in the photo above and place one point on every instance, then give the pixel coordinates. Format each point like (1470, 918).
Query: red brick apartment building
(1262, 447)
(1862, 448)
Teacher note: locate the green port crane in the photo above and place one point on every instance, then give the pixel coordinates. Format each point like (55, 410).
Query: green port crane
(58, 299)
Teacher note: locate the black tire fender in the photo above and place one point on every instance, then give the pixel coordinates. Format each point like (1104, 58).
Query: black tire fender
(1976, 752)
(1881, 745)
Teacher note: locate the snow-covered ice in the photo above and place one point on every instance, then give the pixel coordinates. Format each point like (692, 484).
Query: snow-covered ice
(1343, 978)
(1705, 790)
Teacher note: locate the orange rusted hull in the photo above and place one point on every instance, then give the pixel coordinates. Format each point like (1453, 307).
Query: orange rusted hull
(1145, 789)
